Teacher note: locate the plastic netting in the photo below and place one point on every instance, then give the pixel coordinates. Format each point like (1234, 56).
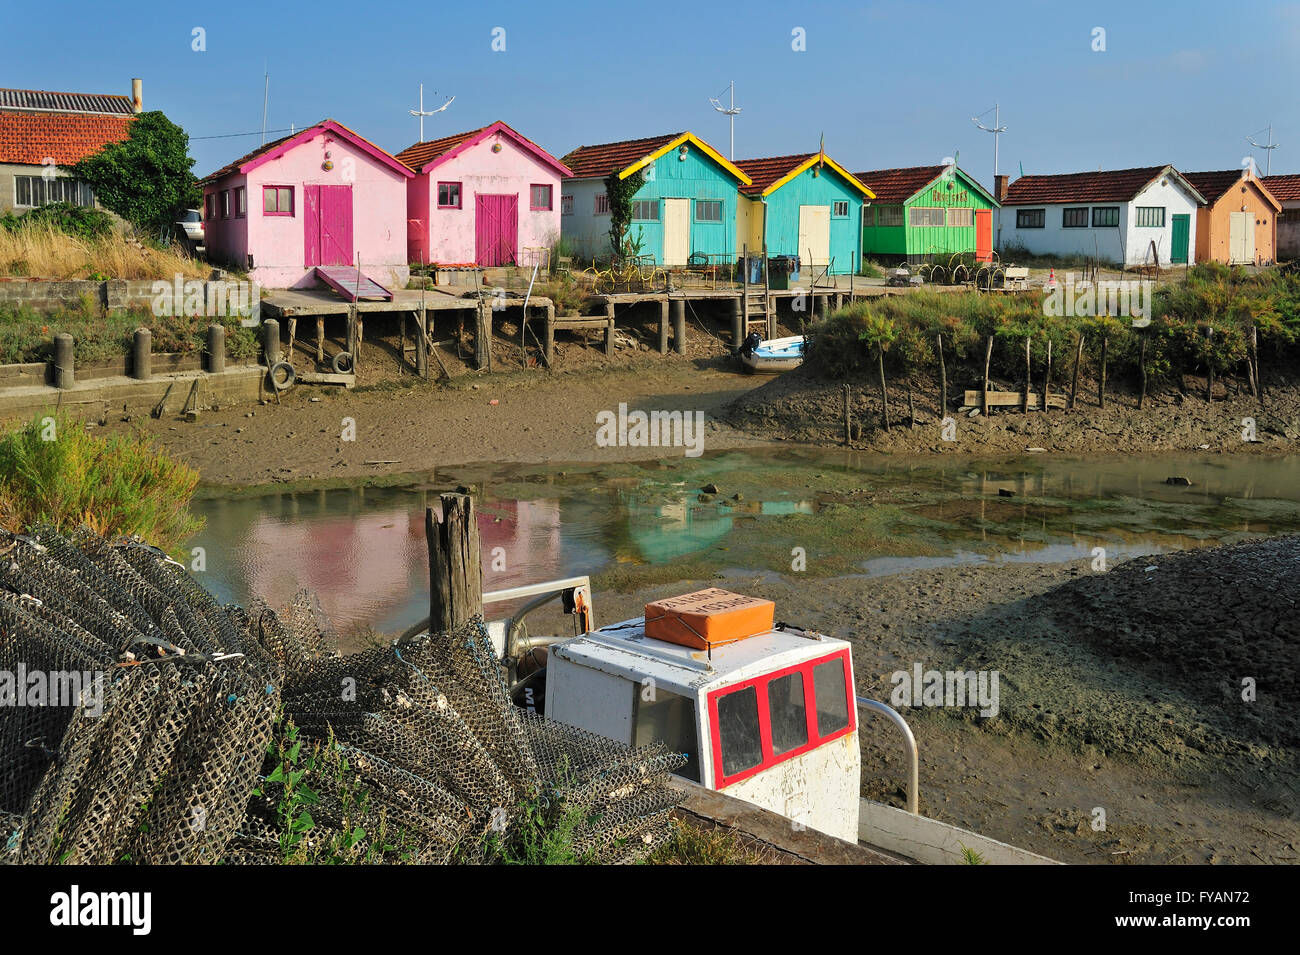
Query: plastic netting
(202, 733)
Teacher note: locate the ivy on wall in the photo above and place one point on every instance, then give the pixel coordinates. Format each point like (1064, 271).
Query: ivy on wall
(620, 193)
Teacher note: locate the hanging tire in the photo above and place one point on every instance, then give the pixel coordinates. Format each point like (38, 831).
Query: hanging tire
(343, 363)
(290, 376)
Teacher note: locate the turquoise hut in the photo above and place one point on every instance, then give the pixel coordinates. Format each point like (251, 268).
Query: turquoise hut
(686, 206)
(805, 205)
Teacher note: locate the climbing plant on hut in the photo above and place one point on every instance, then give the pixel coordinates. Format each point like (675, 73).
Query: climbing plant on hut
(620, 193)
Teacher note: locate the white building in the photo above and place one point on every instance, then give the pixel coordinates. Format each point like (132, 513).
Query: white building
(1129, 216)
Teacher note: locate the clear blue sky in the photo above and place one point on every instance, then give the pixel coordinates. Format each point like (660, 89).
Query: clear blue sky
(889, 84)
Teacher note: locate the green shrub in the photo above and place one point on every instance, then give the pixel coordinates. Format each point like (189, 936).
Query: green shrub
(56, 472)
(79, 221)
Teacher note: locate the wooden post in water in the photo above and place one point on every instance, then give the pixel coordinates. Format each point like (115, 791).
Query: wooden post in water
(1078, 359)
(455, 571)
(884, 392)
(1101, 382)
(1047, 375)
(848, 421)
(1142, 367)
(984, 390)
(943, 382)
(1029, 377)
(1209, 363)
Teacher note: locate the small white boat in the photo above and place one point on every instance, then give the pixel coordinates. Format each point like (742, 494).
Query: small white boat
(772, 356)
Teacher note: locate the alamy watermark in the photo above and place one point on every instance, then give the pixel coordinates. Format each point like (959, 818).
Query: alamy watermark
(217, 298)
(24, 687)
(1119, 299)
(654, 429)
(963, 688)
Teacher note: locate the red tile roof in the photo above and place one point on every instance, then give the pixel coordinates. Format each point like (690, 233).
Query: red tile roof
(1116, 185)
(418, 155)
(66, 138)
(331, 125)
(764, 172)
(1213, 184)
(588, 161)
(1284, 188)
(900, 184)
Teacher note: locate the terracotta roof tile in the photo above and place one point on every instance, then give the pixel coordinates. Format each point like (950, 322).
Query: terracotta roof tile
(233, 167)
(418, 155)
(1118, 185)
(899, 184)
(764, 172)
(588, 161)
(1284, 188)
(1213, 184)
(33, 137)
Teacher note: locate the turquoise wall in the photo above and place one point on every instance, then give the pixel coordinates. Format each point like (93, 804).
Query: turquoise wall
(823, 189)
(695, 177)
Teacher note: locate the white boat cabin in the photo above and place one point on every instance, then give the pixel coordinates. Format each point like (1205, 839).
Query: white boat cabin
(769, 719)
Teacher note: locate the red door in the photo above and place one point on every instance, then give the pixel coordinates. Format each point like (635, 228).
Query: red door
(327, 225)
(496, 229)
(983, 235)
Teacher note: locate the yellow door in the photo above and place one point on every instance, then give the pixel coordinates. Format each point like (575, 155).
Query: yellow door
(677, 231)
(815, 235)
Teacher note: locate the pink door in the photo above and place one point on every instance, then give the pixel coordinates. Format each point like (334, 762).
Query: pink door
(496, 229)
(327, 225)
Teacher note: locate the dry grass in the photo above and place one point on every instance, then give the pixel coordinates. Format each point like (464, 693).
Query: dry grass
(45, 252)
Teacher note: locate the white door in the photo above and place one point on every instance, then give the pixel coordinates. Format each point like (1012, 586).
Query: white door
(677, 231)
(1241, 238)
(815, 235)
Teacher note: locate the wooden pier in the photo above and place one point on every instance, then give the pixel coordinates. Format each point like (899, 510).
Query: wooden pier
(752, 308)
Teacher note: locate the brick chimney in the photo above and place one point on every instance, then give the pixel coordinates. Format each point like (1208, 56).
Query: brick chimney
(137, 95)
(1000, 188)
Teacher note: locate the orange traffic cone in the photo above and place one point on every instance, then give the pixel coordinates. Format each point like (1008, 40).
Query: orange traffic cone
(1051, 277)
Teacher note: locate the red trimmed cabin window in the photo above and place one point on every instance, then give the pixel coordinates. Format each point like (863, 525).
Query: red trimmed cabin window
(769, 719)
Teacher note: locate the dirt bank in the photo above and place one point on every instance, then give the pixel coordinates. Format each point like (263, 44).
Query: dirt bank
(406, 426)
(1119, 691)
(800, 406)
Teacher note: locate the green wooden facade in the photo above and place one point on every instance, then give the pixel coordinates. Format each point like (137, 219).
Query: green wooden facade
(925, 216)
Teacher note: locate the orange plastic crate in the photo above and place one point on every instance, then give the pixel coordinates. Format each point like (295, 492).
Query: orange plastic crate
(708, 618)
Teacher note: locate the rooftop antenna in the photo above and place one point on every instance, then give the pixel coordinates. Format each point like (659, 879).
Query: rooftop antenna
(1267, 147)
(422, 112)
(730, 112)
(997, 129)
(266, 93)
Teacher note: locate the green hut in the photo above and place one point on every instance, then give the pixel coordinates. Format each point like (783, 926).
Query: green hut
(926, 212)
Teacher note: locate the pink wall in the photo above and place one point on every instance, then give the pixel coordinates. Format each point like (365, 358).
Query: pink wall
(449, 233)
(277, 242)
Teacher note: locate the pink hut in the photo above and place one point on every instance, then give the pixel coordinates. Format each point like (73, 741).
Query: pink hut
(488, 197)
(318, 198)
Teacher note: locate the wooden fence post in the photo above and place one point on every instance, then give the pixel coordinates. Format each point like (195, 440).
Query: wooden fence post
(455, 571)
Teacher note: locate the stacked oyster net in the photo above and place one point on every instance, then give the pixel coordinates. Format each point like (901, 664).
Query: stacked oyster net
(184, 744)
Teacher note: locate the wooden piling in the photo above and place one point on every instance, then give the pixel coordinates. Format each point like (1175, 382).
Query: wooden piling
(1101, 382)
(422, 343)
(1078, 360)
(1029, 379)
(1047, 377)
(548, 335)
(984, 388)
(609, 329)
(848, 420)
(679, 326)
(737, 322)
(455, 570)
(943, 382)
